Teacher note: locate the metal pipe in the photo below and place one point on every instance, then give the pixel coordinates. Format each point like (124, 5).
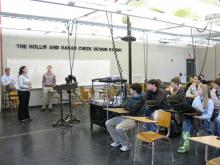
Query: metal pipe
(129, 51)
(120, 12)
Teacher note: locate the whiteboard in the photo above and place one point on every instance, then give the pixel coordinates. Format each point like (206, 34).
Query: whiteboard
(84, 70)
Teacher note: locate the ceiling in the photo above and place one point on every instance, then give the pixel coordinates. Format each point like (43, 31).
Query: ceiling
(166, 21)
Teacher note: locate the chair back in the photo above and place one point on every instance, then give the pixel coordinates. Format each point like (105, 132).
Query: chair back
(81, 88)
(84, 95)
(163, 118)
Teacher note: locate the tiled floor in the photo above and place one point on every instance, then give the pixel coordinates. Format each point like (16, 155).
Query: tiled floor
(38, 143)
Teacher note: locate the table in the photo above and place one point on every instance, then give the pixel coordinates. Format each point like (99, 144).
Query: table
(208, 141)
(117, 110)
(141, 119)
(99, 113)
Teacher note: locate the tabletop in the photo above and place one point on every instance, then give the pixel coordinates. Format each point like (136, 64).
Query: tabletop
(208, 140)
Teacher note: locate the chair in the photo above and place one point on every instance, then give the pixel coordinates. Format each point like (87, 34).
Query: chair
(92, 92)
(81, 88)
(215, 161)
(163, 119)
(203, 125)
(84, 95)
(13, 100)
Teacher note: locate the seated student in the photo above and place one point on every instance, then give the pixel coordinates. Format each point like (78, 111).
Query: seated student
(205, 105)
(118, 126)
(193, 89)
(215, 95)
(176, 95)
(156, 98)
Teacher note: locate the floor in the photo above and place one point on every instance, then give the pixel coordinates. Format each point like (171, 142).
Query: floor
(38, 143)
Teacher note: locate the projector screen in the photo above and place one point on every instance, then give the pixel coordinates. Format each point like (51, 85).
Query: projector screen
(84, 70)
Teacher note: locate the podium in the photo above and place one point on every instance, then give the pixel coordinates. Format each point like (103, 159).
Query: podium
(70, 118)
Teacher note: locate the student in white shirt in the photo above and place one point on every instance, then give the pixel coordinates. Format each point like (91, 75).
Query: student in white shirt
(8, 81)
(193, 89)
(24, 86)
(205, 105)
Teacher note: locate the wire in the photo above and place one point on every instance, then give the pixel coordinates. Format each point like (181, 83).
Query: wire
(206, 52)
(113, 43)
(70, 26)
(194, 51)
(202, 30)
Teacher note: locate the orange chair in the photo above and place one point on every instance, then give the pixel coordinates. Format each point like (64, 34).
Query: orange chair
(84, 95)
(81, 88)
(163, 119)
(13, 100)
(92, 92)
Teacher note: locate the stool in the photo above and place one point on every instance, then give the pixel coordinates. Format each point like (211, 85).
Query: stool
(215, 161)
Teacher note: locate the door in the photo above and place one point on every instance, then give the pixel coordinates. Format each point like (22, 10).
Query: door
(190, 68)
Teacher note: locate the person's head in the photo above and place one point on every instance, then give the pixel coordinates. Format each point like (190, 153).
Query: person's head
(202, 76)
(159, 83)
(203, 91)
(7, 71)
(191, 79)
(22, 70)
(135, 89)
(49, 68)
(152, 85)
(180, 74)
(175, 82)
(197, 80)
(216, 83)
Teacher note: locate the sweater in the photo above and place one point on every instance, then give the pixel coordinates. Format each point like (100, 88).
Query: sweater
(157, 99)
(134, 105)
(206, 112)
(24, 83)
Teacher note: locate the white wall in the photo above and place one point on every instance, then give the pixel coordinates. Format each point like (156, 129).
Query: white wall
(212, 63)
(164, 61)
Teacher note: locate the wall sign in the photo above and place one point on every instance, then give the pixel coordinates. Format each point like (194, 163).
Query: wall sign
(63, 47)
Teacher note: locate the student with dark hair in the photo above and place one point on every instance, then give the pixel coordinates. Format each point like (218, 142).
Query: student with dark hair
(156, 98)
(118, 126)
(24, 86)
(176, 93)
(215, 95)
(193, 89)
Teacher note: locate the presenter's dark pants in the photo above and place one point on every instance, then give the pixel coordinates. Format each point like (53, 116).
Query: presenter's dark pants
(24, 97)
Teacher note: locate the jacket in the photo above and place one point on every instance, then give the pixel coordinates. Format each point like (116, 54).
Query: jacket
(157, 100)
(135, 104)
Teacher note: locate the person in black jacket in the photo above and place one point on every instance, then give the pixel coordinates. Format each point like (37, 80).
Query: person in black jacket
(176, 94)
(118, 126)
(156, 98)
